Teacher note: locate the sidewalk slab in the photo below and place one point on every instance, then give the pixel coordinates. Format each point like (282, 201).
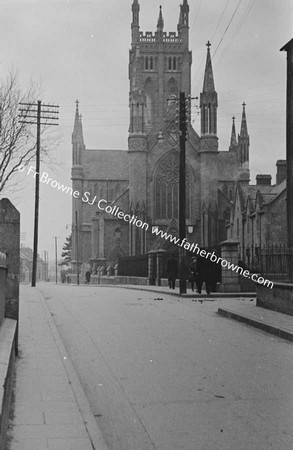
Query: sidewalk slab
(51, 411)
(272, 322)
(189, 293)
(167, 290)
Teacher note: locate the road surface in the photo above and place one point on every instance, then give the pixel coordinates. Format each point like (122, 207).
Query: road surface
(166, 373)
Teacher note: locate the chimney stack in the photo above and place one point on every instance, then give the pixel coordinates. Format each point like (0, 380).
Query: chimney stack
(263, 180)
(281, 171)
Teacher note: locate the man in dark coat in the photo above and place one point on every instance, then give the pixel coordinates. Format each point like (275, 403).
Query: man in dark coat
(193, 274)
(204, 271)
(172, 271)
(208, 273)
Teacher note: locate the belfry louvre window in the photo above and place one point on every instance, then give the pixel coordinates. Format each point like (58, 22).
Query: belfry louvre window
(167, 189)
(149, 63)
(172, 63)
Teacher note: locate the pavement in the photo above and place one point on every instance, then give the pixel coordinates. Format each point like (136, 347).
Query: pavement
(167, 290)
(51, 411)
(272, 322)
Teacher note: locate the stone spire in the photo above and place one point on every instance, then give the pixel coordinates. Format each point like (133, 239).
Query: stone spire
(233, 141)
(76, 118)
(243, 138)
(135, 12)
(160, 25)
(135, 22)
(243, 130)
(77, 137)
(208, 100)
(208, 84)
(182, 26)
(80, 129)
(185, 12)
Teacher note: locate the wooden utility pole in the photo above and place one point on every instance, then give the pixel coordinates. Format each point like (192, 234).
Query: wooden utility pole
(32, 113)
(76, 246)
(56, 260)
(182, 193)
(289, 141)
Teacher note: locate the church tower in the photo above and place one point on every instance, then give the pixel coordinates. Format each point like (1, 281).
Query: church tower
(159, 68)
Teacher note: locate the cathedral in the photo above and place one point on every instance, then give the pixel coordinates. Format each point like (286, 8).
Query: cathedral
(143, 179)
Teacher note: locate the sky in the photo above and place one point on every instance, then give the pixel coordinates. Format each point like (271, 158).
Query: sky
(79, 49)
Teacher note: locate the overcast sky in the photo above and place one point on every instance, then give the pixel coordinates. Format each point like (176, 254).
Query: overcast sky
(80, 48)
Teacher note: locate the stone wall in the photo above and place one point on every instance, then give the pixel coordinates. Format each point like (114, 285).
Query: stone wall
(2, 285)
(10, 245)
(279, 298)
(7, 354)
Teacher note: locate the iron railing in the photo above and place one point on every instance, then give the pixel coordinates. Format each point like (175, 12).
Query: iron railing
(133, 266)
(275, 262)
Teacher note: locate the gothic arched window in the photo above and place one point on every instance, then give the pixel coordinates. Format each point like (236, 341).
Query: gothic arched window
(172, 87)
(146, 63)
(151, 63)
(149, 90)
(167, 189)
(174, 63)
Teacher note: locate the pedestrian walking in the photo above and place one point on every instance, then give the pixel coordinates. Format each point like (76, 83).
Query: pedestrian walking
(172, 270)
(88, 276)
(192, 274)
(63, 275)
(203, 275)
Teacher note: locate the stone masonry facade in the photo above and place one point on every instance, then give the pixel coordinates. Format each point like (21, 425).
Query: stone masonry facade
(143, 179)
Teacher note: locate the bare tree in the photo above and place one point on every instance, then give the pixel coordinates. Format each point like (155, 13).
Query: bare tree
(17, 139)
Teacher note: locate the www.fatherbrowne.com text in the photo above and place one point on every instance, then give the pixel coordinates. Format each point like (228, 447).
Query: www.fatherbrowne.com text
(114, 210)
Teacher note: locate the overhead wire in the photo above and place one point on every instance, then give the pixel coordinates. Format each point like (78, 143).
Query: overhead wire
(236, 32)
(220, 20)
(228, 26)
(196, 16)
(222, 37)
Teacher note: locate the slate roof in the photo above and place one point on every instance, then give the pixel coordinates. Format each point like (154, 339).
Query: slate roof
(103, 164)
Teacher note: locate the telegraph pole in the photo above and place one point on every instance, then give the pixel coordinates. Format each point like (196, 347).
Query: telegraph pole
(56, 260)
(32, 113)
(76, 246)
(182, 189)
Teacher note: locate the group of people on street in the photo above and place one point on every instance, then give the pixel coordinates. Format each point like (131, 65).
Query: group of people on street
(201, 270)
